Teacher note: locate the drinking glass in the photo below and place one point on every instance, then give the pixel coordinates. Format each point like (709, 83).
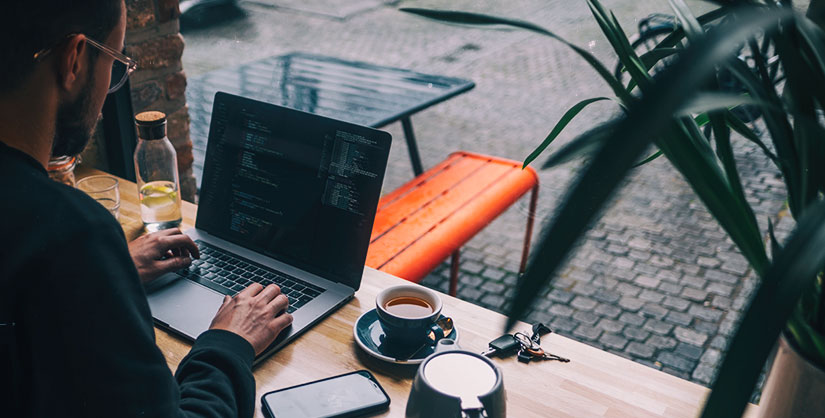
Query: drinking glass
(105, 190)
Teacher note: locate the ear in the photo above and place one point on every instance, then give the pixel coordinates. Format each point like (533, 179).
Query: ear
(72, 63)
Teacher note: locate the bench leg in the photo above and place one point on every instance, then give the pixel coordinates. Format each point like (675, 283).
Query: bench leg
(412, 147)
(454, 272)
(525, 253)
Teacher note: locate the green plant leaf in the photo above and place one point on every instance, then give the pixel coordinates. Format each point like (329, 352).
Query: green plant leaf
(678, 35)
(701, 119)
(815, 38)
(742, 129)
(646, 120)
(802, 109)
(819, 343)
(482, 19)
(805, 85)
(819, 311)
(792, 272)
(688, 150)
(565, 119)
(776, 246)
(806, 338)
(724, 151)
(802, 326)
(781, 132)
(716, 100)
(693, 29)
(634, 58)
(655, 155)
(745, 230)
(650, 58)
(583, 144)
(618, 40)
(813, 45)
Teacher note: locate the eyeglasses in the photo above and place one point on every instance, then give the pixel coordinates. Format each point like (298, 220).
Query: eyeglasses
(121, 68)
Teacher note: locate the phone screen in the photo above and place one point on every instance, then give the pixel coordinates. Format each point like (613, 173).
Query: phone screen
(344, 395)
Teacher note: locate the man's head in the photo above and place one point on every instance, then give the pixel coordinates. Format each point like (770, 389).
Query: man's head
(79, 72)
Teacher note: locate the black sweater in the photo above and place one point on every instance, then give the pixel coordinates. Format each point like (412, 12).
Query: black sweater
(83, 344)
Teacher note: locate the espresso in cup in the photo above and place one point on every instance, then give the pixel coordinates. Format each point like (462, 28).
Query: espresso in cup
(407, 314)
(409, 307)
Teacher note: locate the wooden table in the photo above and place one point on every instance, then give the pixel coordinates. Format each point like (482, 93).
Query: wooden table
(594, 384)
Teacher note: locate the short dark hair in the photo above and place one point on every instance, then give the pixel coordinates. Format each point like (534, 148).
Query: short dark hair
(27, 26)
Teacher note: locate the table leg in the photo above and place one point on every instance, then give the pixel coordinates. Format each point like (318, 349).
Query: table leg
(531, 216)
(454, 272)
(412, 147)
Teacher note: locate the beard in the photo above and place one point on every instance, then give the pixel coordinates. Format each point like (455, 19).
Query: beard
(74, 125)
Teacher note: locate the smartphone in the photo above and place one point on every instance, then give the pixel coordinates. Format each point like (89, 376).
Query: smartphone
(353, 394)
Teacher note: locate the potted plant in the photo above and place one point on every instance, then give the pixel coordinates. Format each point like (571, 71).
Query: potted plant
(668, 109)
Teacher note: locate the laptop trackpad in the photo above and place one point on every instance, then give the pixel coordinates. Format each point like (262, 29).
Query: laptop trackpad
(185, 307)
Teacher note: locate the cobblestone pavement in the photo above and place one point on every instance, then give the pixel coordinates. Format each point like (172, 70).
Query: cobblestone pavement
(656, 280)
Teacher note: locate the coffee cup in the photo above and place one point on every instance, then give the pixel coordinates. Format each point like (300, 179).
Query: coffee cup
(456, 383)
(408, 314)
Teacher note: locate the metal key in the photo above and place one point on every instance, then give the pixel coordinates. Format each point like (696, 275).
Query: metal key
(526, 355)
(540, 354)
(531, 350)
(503, 346)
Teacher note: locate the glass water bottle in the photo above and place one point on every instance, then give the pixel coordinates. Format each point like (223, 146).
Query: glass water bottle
(156, 168)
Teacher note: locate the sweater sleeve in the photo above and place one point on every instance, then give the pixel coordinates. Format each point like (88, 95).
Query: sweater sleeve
(215, 372)
(93, 345)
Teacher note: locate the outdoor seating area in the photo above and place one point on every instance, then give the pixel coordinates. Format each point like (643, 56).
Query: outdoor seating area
(605, 209)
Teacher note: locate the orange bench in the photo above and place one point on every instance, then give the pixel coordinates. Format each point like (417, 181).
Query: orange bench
(428, 219)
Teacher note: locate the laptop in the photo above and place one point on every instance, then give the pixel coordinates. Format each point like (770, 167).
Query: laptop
(287, 197)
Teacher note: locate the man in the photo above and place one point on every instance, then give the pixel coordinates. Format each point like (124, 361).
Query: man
(76, 337)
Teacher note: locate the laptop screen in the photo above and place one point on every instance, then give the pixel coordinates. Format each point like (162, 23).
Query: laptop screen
(297, 187)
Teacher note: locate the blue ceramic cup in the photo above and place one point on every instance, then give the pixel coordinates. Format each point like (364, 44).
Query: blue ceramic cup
(407, 314)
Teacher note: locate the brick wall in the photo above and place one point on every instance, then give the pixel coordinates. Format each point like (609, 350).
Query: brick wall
(153, 39)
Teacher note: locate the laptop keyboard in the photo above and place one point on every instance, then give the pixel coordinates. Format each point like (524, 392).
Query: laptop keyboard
(228, 273)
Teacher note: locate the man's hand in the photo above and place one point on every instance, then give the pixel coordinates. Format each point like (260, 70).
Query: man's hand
(161, 252)
(252, 315)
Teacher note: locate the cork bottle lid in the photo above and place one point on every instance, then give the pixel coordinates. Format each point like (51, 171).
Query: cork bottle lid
(151, 125)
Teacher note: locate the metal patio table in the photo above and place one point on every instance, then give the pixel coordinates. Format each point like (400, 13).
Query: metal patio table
(355, 92)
